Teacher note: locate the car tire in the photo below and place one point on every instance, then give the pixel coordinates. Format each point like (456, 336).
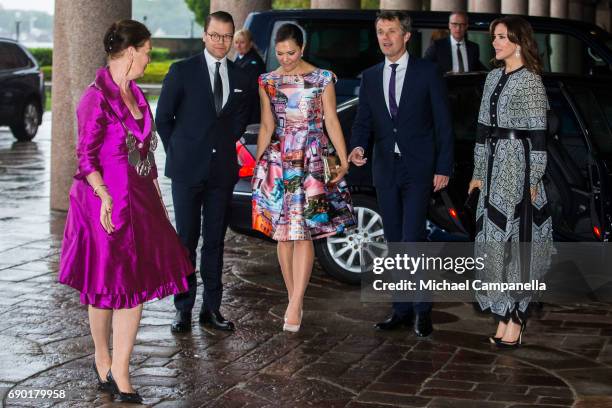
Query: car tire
(332, 252)
(28, 121)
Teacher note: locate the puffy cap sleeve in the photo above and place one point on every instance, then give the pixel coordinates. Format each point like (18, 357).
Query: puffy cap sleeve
(328, 77)
(92, 122)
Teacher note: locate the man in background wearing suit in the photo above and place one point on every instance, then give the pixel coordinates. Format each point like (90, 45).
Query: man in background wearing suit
(403, 100)
(455, 53)
(201, 113)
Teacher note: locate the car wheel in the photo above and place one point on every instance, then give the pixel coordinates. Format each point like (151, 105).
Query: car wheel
(339, 255)
(27, 124)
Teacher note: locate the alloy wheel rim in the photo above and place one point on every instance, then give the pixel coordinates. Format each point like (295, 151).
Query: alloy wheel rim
(345, 248)
(30, 119)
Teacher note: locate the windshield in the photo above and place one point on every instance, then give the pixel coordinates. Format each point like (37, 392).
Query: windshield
(595, 106)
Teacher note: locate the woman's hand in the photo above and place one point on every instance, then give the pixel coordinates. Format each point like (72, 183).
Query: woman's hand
(340, 171)
(474, 184)
(106, 211)
(534, 193)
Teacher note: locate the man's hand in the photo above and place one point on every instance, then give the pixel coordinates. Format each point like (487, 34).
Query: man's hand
(439, 182)
(356, 157)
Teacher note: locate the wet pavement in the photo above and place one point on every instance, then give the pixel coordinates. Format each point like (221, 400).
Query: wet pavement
(336, 360)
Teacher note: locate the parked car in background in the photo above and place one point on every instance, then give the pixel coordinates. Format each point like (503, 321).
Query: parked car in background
(22, 91)
(345, 41)
(577, 179)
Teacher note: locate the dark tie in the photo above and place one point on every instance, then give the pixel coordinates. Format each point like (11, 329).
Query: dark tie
(460, 58)
(392, 100)
(218, 89)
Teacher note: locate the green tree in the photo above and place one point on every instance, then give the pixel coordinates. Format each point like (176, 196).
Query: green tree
(290, 4)
(201, 8)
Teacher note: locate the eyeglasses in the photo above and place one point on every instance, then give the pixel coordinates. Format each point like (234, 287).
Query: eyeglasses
(216, 37)
(458, 25)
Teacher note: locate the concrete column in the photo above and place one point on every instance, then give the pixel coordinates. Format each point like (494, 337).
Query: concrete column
(486, 6)
(448, 5)
(539, 8)
(335, 4)
(401, 5)
(559, 8)
(239, 9)
(514, 7)
(79, 26)
(575, 10)
(603, 17)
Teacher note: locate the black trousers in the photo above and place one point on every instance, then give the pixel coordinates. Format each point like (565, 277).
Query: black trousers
(403, 207)
(203, 209)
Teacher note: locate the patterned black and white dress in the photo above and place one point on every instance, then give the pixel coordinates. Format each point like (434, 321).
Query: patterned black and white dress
(508, 169)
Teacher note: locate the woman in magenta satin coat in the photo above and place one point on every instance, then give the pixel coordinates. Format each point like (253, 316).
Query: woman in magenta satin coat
(119, 248)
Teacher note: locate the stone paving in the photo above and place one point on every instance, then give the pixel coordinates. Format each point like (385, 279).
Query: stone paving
(336, 360)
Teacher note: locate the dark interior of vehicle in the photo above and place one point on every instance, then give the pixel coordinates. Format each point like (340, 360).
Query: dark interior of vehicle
(566, 181)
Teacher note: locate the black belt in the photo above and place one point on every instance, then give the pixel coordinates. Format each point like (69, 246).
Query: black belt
(512, 134)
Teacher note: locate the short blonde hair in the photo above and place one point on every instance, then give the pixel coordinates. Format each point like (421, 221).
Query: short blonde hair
(245, 33)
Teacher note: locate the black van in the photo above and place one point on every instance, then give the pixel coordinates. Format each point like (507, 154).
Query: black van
(345, 41)
(22, 91)
(577, 179)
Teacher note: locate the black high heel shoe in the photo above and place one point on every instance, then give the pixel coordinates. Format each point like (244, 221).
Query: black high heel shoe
(128, 397)
(103, 385)
(517, 343)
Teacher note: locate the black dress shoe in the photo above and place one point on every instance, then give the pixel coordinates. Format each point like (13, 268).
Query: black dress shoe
(181, 323)
(394, 321)
(102, 385)
(128, 397)
(422, 325)
(215, 320)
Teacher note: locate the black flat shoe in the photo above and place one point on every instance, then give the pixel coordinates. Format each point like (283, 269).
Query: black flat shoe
(181, 323)
(395, 321)
(422, 325)
(215, 320)
(127, 397)
(102, 385)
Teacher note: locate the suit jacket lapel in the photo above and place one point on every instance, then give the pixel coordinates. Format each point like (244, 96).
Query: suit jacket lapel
(407, 85)
(205, 81)
(380, 88)
(230, 75)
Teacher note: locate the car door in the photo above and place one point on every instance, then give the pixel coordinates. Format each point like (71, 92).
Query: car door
(16, 80)
(592, 103)
(464, 95)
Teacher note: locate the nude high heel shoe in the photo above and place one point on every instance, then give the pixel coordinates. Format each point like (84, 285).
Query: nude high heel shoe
(293, 328)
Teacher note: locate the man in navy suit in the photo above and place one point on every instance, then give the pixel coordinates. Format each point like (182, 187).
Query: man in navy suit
(455, 53)
(403, 101)
(201, 113)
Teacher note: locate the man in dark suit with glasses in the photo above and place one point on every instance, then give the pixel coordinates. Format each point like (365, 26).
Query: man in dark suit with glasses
(455, 53)
(201, 113)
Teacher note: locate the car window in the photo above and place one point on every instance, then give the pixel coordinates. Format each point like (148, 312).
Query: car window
(595, 106)
(464, 102)
(12, 57)
(569, 134)
(345, 47)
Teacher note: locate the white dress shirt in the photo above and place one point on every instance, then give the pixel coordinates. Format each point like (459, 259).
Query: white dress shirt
(400, 74)
(211, 63)
(463, 49)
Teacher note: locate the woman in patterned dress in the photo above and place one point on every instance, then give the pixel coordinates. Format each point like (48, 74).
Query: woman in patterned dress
(509, 162)
(292, 203)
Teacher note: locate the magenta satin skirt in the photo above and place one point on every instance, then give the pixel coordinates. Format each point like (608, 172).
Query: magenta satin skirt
(141, 260)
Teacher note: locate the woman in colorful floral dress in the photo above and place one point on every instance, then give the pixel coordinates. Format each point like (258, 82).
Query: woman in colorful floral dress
(292, 203)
